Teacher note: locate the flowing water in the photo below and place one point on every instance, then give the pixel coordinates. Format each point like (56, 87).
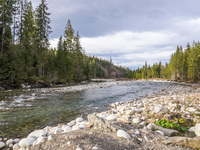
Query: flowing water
(22, 111)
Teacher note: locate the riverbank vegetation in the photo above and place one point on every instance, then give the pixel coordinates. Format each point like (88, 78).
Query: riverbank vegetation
(184, 65)
(26, 57)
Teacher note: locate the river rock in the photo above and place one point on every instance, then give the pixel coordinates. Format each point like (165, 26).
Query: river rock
(16, 140)
(82, 126)
(123, 134)
(101, 124)
(75, 127)
(151, 126)
(38, 133)
(191, 109)
(159, 108)
(58, 130)
(124, 118)
(197, 129)
(192, 129)
(26, 142)
(79, 119)
(10, 141)
(136, 120)
(67, 129)
(39, 140)
(111, 117)
(16, 147)
(72, 123)
(2, 144)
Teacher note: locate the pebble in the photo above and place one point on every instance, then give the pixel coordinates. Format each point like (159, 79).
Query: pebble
(123, 134)
(79, 119)
(95, 148)
(10, 141)
(16, 147)
(2, 144)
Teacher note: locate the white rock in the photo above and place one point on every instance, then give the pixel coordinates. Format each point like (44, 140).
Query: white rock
(69, 143)
(72, 123)
(102, 116)
(123, 134)
(78, 148)
(151, 126)
(64, 127)
(10, 141)
(16, 147)
(143, 123)
(111, 117)
(67, 129)
(159, 108)
(82, 126)
(137, 132)
(16, 140)
(130, 112)
(136, 120)
(197, 129)
(2, 144)
(39, 140)
(95, 148)
(26, 142)
(75, 127)
(191, 109)
(10, 145)
(158, 131)
(79, 119)
(38, 133)
(22, 148)
(192, 129)
(58, 130)
(50, 137)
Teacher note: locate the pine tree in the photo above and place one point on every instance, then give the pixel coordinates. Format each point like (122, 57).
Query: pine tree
(43, 30)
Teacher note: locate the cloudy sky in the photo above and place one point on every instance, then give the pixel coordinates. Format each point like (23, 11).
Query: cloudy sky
(129, 31)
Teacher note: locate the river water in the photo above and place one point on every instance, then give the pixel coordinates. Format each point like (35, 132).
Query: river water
(24, 110)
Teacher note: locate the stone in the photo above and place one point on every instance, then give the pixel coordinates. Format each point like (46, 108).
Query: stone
(159, 108)
(79, 119)
(75, 127)
(167, 132)
(191, 109)
(2, 144)
(16, 147)
(10, 145)
(111, 117)
(78, 148)
(136, 120)
(67, 129)
(50, 137)
(26, 142)
(95, 148)
(151, 126)
(184, 141)
(16, 140)
(10, 141)
(82, 126)
(130, 112)
(124, 118)
(192, 129)
(197, 129)
(123, 134)
(58, 130)
(39, 140)
(101, 124)
(137, 132)
(72, 123)
(38, 133)
(160, 132)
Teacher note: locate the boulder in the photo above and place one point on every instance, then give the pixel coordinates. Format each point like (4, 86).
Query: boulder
(26, 142)
(123, 134)
(101, 124)
(197, 129)
(2, 144)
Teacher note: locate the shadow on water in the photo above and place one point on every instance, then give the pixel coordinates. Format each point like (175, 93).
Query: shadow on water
(19, 115)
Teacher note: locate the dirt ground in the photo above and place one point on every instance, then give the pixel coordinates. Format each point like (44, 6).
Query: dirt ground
(88, 139)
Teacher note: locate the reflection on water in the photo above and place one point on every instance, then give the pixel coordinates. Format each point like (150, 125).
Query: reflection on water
(24, 110)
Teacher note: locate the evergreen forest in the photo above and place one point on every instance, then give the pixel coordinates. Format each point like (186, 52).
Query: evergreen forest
(26, 56)
(184, 65)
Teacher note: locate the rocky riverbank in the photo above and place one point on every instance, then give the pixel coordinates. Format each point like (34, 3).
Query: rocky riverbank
(165, 120)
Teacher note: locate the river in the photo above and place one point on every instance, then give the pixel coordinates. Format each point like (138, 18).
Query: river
(22, 111)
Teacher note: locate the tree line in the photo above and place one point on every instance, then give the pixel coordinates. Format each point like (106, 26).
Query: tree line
(25, 54)
(184, 65)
